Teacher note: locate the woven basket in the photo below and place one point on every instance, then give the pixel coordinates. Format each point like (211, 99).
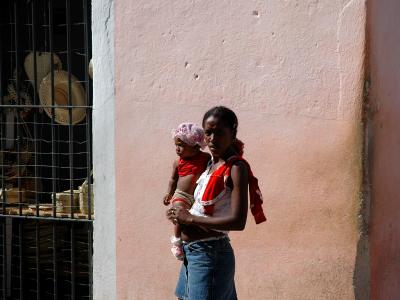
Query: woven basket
(13, 195)
(63, 201)
(83, 198)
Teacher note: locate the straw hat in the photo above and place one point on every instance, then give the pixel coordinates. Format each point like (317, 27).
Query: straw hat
(78, 97)
(43, 66)
(91, 68)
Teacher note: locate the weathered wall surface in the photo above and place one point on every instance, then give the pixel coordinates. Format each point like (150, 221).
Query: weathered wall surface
(384, 49)
(104, 235)
(293, 72)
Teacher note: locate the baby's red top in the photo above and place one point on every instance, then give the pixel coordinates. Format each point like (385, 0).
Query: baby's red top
(193, 165)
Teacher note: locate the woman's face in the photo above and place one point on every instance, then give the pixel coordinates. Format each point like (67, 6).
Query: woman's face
(218, 136)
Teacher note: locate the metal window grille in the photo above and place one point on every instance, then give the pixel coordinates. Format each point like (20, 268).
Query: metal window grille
(46, 198)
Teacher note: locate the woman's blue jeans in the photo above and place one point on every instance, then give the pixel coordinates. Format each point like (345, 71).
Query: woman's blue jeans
(208, 271)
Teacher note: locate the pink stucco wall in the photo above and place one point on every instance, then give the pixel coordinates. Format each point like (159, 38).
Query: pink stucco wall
(384, 49)
(293, 71)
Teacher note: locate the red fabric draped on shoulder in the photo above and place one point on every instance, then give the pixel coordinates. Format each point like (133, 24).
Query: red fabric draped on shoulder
(216, 186)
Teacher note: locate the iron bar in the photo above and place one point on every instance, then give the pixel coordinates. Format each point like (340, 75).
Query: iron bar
(27, 217)
(87, 37)
(90, 257)
(71, 149)
(73, 290)
(35, 100)
(70, 129)
(44, 106)
(37, 236)
(21, 262)
(88, 111)
(55, 273)
(16, 45)
(53, 133)
(3, 130)
(4, 281)
(8, 233)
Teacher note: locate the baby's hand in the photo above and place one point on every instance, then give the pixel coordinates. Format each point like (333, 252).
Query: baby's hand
(167, 199)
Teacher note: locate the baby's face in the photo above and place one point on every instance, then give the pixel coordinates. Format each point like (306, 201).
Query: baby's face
(184, 150)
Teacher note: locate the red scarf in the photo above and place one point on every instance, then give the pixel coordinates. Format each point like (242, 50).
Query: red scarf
(217, 184)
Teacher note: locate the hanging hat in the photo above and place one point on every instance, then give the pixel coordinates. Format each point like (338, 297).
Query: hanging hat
(43, 66)
(78, 97)
(90, 68)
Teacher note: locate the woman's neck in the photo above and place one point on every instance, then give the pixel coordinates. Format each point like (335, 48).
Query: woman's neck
(224, 157)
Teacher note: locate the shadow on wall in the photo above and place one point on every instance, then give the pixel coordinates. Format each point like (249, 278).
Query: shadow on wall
(361, 277)
(362, 269)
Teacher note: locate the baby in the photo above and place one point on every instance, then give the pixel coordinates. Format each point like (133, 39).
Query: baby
(186, 169)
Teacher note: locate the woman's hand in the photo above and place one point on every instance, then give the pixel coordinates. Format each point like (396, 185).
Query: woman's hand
(179, 215)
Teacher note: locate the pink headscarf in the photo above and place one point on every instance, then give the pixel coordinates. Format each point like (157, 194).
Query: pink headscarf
(190, 134)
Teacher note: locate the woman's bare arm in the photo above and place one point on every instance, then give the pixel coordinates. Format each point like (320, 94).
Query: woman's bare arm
(239, 206)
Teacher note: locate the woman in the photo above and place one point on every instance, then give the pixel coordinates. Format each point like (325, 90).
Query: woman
(220, 206)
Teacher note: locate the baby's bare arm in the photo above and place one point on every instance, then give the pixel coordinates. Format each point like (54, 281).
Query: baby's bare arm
(172, 183)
